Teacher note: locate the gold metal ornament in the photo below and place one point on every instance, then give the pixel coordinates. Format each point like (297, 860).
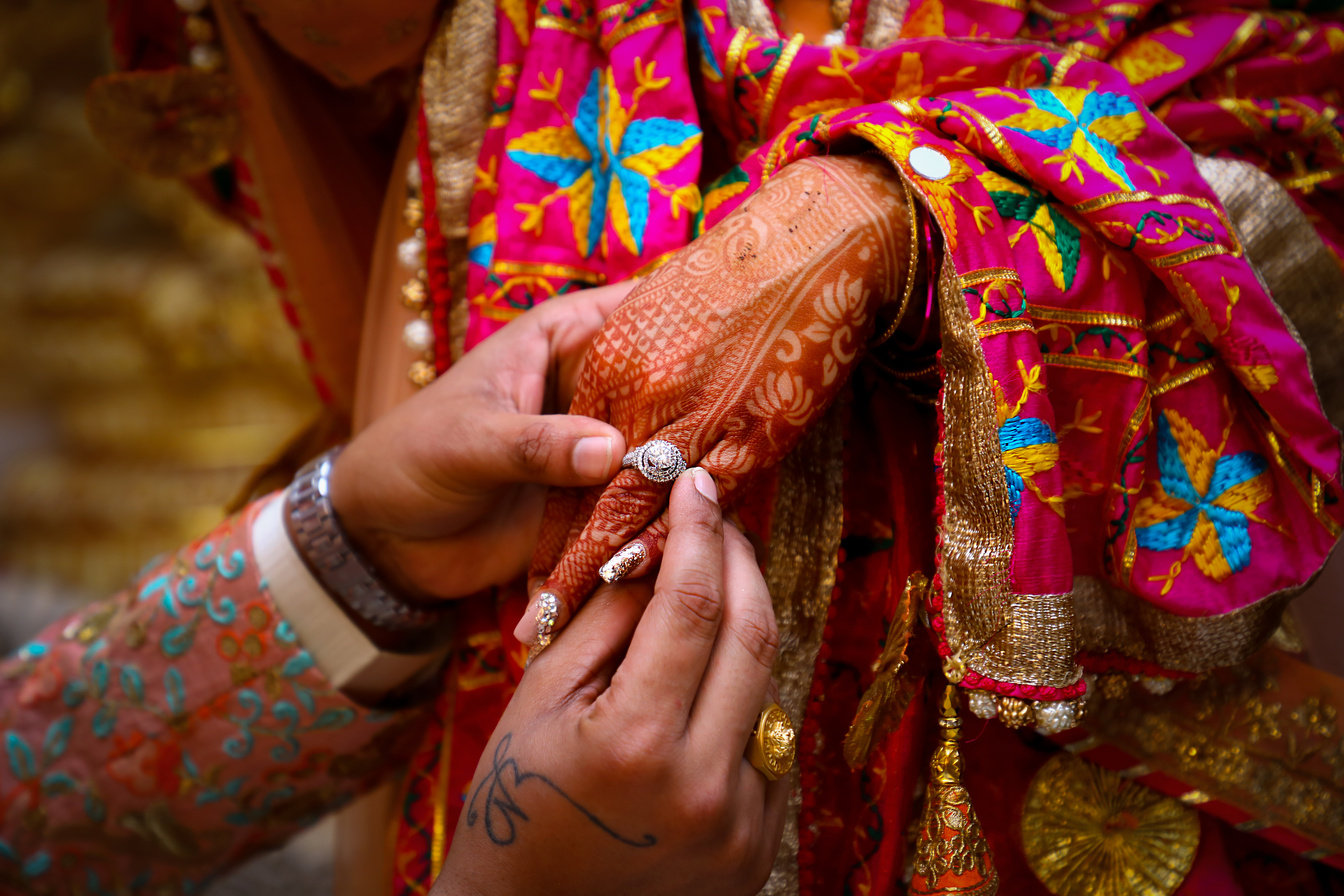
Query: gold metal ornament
(1086, 831)
(952, 856)
(771, 748)
(894, 685)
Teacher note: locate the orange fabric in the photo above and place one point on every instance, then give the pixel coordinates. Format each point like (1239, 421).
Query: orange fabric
(316, 190)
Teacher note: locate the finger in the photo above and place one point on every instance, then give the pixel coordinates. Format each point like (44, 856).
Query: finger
(624, 508)
(581, 666)
(640, 555)
(563, 507)
(737, 679)
(776, 813)
(673, 641)
(558, 449)
(572, 331)
(646, 549)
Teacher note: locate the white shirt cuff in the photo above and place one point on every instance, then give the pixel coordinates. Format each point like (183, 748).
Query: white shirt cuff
(344, 654)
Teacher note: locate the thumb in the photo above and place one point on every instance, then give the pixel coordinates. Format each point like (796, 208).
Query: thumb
(554, 449)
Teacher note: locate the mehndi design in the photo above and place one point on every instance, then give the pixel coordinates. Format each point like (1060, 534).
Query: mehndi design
(731, 350)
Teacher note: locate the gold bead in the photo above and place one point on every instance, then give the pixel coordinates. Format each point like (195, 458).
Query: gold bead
(422, 373)
(1015, 712)
(1113, 686)
(414, 294)
(414, 213)
(199, 30)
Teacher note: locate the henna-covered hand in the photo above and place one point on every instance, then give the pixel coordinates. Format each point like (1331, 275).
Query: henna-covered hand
(730, 351)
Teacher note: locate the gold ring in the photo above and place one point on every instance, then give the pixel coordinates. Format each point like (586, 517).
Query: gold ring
(771, 748)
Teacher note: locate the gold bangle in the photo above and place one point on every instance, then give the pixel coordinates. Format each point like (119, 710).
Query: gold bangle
(909, 268)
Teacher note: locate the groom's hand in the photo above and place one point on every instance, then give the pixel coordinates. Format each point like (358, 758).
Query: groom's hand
(444, 494)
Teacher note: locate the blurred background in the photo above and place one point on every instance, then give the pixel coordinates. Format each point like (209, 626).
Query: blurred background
(145, 368)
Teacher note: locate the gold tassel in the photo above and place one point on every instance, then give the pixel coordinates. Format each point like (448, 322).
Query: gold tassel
(951, 853)
(888, 697)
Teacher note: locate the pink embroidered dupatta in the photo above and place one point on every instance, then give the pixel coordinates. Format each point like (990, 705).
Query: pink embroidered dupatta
(1135, 470)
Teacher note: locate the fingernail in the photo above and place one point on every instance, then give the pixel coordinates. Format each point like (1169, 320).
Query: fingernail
(623, 561)
(704, 483)
(538, 622)
(592, 456)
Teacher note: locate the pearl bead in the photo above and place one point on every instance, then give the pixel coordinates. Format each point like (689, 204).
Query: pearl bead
(1053, 717)
(1156, 685)
(418, 335)
(411, 253)
(191, 6)
(982, 704)
(206, 57)
(413, 175)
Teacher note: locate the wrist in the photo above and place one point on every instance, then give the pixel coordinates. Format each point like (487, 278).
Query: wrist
(390, 620)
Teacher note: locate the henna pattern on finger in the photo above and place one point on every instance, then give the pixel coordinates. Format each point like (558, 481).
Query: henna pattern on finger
(502, 812)
(734, 347)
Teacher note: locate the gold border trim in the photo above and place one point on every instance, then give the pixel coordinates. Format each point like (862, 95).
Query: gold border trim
(1049, 314)
(1116, 366)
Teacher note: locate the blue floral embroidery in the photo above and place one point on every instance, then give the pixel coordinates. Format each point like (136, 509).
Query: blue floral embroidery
(605, 157)
(1084, 126)
(1205, 503)
(1029, 447)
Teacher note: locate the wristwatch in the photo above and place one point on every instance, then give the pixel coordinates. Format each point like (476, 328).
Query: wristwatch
(390, 621)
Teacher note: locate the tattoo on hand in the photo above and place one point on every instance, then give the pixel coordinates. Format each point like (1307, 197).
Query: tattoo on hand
(502, 812)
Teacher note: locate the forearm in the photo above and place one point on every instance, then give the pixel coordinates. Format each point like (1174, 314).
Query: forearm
(162, 735)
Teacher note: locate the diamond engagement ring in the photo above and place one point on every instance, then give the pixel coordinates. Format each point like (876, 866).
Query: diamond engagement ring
(658, 460)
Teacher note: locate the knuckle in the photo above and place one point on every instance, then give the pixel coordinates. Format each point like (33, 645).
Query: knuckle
(739, 844)
(696, 602)
(703, 523)
(637, 752)
(533, 446)
(703, 808)
(622, 510)
(759, 635)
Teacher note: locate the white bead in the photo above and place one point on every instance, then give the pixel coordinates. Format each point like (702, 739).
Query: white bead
(929, 163)
(191, 6)
(1053, 717)
(982, 704)
(834, 38)
(411, 253)
(206, 57)
(1155, 685)
(418, 335)
(413, 174)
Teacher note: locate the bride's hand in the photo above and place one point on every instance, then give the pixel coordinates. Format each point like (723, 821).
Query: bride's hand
(619, 765)
(729, 352)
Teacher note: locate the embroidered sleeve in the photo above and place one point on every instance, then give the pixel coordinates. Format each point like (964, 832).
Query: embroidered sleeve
(163, 735)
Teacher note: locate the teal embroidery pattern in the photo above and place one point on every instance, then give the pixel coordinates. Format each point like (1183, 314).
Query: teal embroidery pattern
(161, 734)
(1205, 501)
(1029, 446)
(605, 161)
(1085, 126)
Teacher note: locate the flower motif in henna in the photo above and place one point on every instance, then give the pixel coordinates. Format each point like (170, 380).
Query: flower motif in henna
(730, 351)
